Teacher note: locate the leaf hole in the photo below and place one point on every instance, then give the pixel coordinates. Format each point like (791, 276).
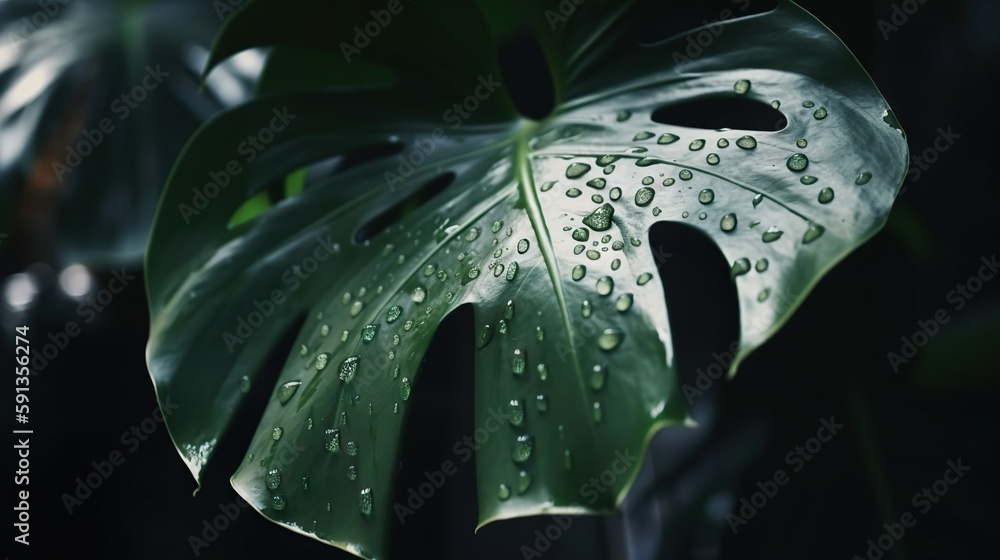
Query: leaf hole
(713, 113)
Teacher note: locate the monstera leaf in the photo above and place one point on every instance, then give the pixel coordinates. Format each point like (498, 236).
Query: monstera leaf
(425, 206)
(66, 68)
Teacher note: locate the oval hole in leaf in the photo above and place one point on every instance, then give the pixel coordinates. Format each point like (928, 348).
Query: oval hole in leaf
(403, 207)
(722, 112)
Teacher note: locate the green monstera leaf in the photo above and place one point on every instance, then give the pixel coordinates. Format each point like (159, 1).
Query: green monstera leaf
(540, 226)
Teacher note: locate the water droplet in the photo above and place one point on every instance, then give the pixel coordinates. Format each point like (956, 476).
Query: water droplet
(474, 273)
(333, 440)
(702, 216)
(324, 330)
(712, 159)
(368, 333)
(523, 482)
(644, 196)
(609, 339)
(593, 255)
(696, 145)
(503, 492)
(826, 196)
(813, 232)
(273, 479)
(600, 219)
(776, 104)
(356, 308)
(820, 113)
(508, 312)
(761, 265)
(522, 448)
(801, 142)
(586, 309)
(512, 271)
(644, 278)
(407, 325)
(365, 501)
(597, 183)
(581, 234)
(277, 433)
(647, 180)
(485, 336)
(546, 186)
(393, 314)
(667, 139)
(497, 269)
(740, 267)
(542, 402)
(669, 181)
(607, 160)
(808, 180)
(706, 196)
(642, 136)
(395, 372)
(352, 472)
(442, 275)
(597, 199)
(516, 412)
(623, 116)
(741, 87)
(576, 170)
(747, 142)
(245, 383)
(404, 388)
(605, 285)
(303, 350)
(278, 503)
(517, 362)
(624, 302)
(574, 192)
(616, 264)
(617, 245)
(762, 296)
(287, 391)
(543, 372)
(615, 193)
(685, 175)
(348, 368)
(728, 222)
(722, 143)
(502, 326)
(567, 459)
(497, 225)
(772, 234)
(797, 162)
(808, 104)
(757, 199)
(578, 249)
(346, 298)
(352, 448)
(863, 178)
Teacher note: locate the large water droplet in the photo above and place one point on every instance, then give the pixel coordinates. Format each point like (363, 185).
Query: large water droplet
(607, 160)
(797, 162)
(667, 139)
(287, 391)
(245, 380)
(808, 180)
(593, 255)
(820, 113)
(863, 178)
(685, 175)
(615, 193)
(642, 136)
(581, 234)
(763, 295)
(609, 339)
(813, 232)
(761, 265)
(728, 222)
(740, 267)
(579, 271)
(623, 116)
(801, 142)
(706, 196)
(352, 472)
(808, 104)
(605, 285)
(757, 199)
(696, 145)
(574, 192)
(419, 294)
(825, 196)
(368, 333)
(472, 234)
(747, 142)
(624, 302)
(722, 143)
(546, 186)
(522, 448)
(576, 170)
(644, 196)
(712, 159)
(497, 225)
(772, 234)
(644, 278)
(503, 492)
(356, 308)
(348, 368)
(600, 219)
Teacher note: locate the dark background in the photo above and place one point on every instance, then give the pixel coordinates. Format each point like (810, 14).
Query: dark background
(938, 72)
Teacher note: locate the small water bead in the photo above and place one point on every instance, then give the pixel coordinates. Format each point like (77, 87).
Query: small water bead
(609, 339)
(644, 278)
(609, 170)
(754, 224)
(273, 479)
(740, 267)
(579, 271)
(728, 222)
(365, 501)
(539, 334)
(642, 136)
(474, 273)
(352, 448)
(601, 219)
(578, 249)
(395, 340)
(522, 448)
(797, 162)
(696, 145)
(442, 275)
(503, 492)
(352, 472)
(598, 413)
(624, 303)
(407, 325)
(346, 298)
(685, 214)
(333, 440)
(309, 423)
(826, 196)
(863, 178)
(597, 183)
(586, 309)
(472, 234)
(497, 225)
(542, 402)
(747, 142)
(820, 113)
(395, 372)
(706, 196)
(761, 265)
(605, 285)
(757, 199)
(616, 264)
(497, 269)
(801, 142)
(657, 211)
(712, 159)
(245, 383)
(593, 255)
(606, 239)
(647, 180)
(429, 270)
(574, 192)
(581, 234)
(404, 388)
(776, 104)
(277, 433)
(597, 199)
(303, 350)
(722, 143)
(576, 170)
(702, 216)
(546, 187)
(517, 362)
(813, 232)
(772, 234)
(523, 482)
(356, 308)
(808, 104)
(667, 138)
(278, 503)
(644, 196)
(808, 180)
(393, 314)
(741, 87)
(615, 193)
(509, 309)
(669, 181)
(512, 271)
(348, 368)
(543, 372)
(324, 330)
(763, 295)
(623, 116)
(567, 460)
(287, 391)
(685, 175)
(607, 160)
(635, 241)
(618, 245)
